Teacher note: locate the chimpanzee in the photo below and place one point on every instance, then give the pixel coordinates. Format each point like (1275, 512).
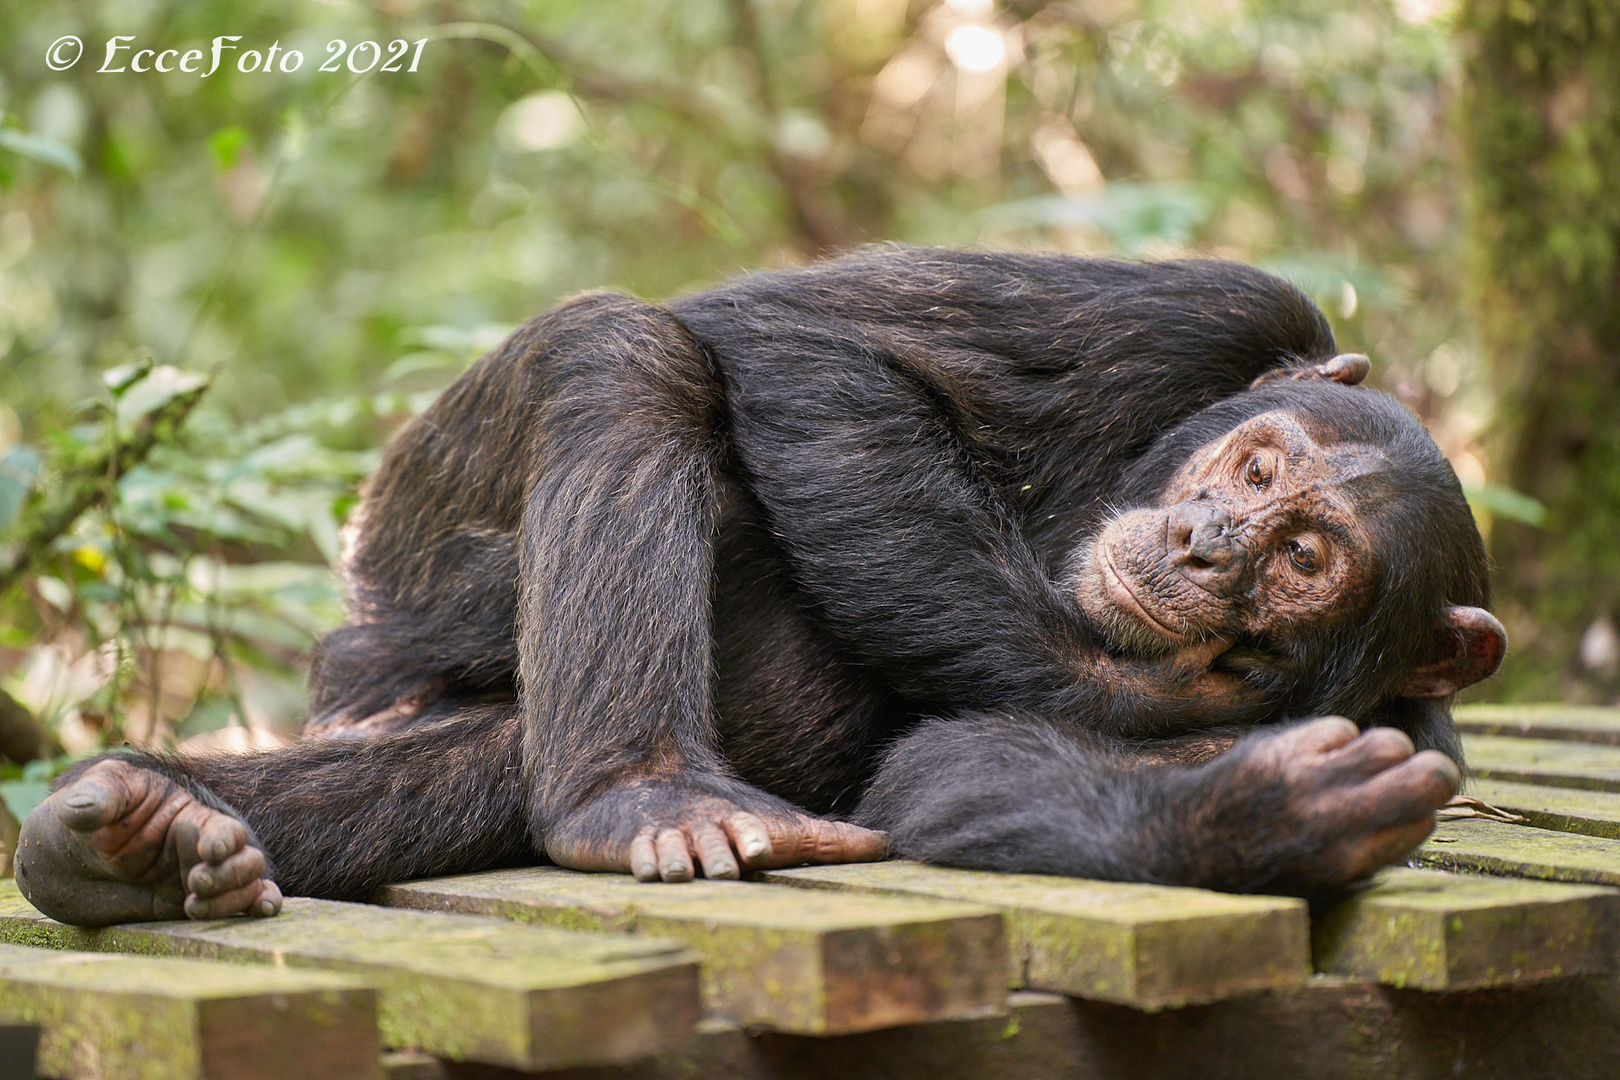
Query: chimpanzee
(1001, 555)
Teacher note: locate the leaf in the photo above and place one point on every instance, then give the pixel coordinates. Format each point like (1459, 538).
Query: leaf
(1506, 503)
(21, 796)
(225, 146)
(122, 377)
(1130, 213)
(157, 388)
(19, 471)
(40, 148)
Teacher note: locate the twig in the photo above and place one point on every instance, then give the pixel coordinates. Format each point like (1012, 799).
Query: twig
(87, 487)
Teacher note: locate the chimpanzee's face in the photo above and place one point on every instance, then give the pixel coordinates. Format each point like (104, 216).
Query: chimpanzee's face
(1255, 537)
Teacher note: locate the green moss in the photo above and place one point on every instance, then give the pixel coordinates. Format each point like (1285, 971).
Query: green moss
(1548, 761)
(816, 963)
(1436, 931)
(146, 1018)
(1150, 946)
(459, 987)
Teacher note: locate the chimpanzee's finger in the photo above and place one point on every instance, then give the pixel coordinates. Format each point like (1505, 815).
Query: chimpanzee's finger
(1346, 368)
(674, 858)
(92, 802)
(1321, 735)
(207, 880)
(1371, 853)
(1373, 751)
(220, 838)
(226, 904)
(713, 848)
(269, 902)
(186, 836)
(644, 857)
(751, 837)
(820, 841)
(1410, 791)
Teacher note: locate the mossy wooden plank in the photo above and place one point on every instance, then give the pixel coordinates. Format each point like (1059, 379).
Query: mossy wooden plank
(1148, 946)
(1553, 762)
(813, 963)
(412, 1065)
(456, 986)
(1493, 847)
(1576, 810)
(1429, 930)
(1577, 723)
(163, 1019)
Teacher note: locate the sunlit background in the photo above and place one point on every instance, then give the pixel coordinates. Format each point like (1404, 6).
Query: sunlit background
(331, 248)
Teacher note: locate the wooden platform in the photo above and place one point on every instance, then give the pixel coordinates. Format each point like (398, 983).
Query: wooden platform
(1494, 955)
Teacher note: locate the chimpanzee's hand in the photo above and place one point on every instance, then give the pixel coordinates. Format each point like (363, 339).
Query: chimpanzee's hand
(1315, 806)
(1184, 683)
(666, 829)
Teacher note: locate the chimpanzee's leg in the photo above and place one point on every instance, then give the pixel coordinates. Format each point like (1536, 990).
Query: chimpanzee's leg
(1296, 810)
(615, 641)
(140, 836)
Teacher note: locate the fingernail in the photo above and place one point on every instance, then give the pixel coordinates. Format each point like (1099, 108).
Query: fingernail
(266, 908)
(81, 802)
(646, 870)
(754, 848)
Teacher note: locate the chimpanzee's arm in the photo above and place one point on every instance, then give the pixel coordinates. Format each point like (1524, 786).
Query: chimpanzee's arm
(1295, 811)
(615, 642)
(903, 420)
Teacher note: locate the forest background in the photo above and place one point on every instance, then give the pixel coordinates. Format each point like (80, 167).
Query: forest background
(220, 293)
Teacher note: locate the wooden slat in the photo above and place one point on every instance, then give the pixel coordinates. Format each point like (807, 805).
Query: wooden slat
(1492, 847)
(1428, 930)
(1594, 813)
(159, 1019)
(1554, 762)
(456, 986)
(412, 1065)
(1577, 723)
(772, 956)
(1148, 946)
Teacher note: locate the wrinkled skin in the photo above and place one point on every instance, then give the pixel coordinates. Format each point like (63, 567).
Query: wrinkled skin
(1253, 537)
(154, 851)
(677, 831)
(1357, 800)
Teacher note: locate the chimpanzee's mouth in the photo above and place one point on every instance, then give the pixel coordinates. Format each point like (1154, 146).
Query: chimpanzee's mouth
(1123, 595)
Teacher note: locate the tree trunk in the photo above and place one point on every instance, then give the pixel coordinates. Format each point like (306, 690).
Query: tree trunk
(1540, 123)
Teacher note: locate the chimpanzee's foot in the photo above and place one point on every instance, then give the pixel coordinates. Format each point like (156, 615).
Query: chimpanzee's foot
(124, 844)
(666, 831)
(1351, 802)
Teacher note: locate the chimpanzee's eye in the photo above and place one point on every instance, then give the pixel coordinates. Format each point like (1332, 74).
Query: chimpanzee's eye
(1303, 556)
(1258, 472)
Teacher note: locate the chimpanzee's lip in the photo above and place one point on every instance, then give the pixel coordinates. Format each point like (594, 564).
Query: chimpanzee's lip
(1126, 597)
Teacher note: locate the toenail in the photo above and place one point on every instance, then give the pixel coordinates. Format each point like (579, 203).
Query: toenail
(81, 802)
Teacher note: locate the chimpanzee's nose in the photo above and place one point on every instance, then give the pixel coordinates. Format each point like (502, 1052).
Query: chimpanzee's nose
(1202, 545)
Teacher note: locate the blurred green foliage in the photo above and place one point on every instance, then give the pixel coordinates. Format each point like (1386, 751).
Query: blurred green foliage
(328, 248)
(1540, 123)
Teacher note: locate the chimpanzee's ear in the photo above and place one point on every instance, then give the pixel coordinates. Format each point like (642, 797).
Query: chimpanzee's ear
(1472, 644)
(1347, 368)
